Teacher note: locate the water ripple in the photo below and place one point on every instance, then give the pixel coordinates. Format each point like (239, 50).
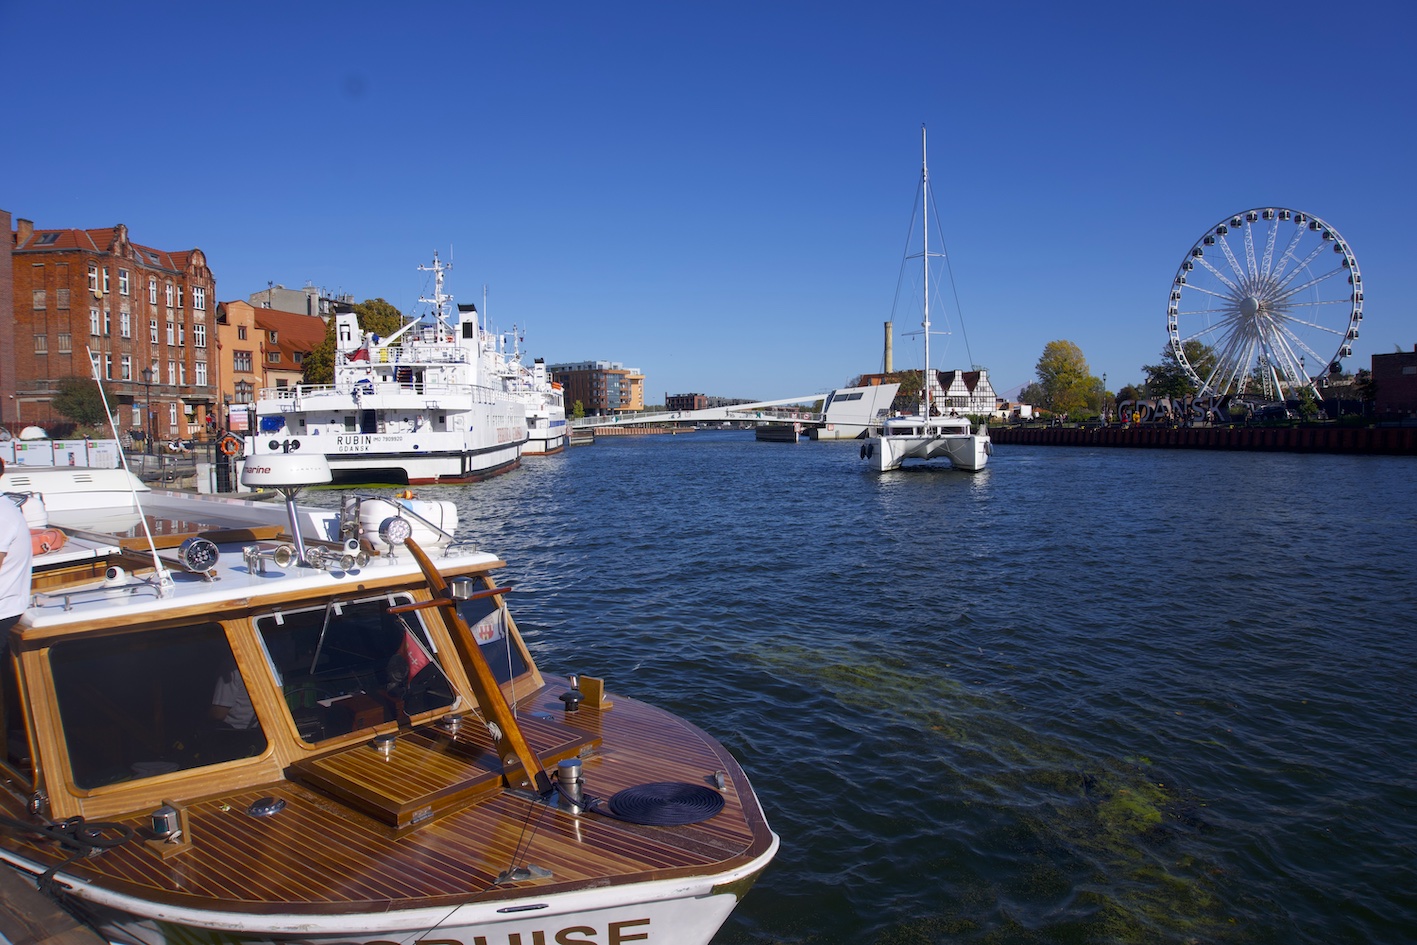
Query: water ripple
(1084, 696)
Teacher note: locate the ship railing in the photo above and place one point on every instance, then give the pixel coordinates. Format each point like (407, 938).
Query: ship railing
(290, 398)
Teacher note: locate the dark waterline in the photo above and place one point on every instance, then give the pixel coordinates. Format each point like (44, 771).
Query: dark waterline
(1087, 695)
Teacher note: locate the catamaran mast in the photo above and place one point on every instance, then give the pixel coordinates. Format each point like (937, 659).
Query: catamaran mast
(925, 258)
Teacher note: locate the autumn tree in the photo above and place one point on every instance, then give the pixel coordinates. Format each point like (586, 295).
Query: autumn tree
(1066, 382)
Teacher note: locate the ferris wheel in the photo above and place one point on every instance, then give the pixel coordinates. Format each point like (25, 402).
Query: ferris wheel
(1274, 295)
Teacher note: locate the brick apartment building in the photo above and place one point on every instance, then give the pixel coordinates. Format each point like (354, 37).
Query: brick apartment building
(1395, 385)
(603, 388)
(146, 316)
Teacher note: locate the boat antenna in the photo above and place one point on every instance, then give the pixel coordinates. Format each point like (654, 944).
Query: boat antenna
(164, 578)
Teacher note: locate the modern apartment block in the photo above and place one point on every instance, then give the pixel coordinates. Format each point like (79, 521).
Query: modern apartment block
(144, 315)
(603, 388)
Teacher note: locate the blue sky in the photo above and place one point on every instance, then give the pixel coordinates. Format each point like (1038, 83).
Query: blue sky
(718, 194)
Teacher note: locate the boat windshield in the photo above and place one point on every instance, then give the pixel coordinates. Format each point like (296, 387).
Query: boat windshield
(136, 705)
(351, 664)
(489, 628)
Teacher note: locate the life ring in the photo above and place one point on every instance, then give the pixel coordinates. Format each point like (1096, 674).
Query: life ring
(46, 539)
(230, 446)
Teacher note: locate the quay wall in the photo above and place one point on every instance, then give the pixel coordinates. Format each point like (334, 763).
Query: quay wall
(640, 430)
(1400, 441)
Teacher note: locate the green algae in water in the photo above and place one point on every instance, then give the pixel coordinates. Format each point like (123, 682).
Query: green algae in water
(1102, 826)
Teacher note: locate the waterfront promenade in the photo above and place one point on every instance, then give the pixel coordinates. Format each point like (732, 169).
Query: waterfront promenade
(1389, 441)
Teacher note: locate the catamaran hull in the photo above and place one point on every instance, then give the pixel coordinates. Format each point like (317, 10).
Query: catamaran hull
(687, 911)
(964, 451)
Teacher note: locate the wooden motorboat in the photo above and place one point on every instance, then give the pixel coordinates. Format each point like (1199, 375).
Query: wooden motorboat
(237, 722)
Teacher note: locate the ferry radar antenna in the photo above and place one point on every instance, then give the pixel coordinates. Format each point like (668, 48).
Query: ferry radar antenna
(440, 300)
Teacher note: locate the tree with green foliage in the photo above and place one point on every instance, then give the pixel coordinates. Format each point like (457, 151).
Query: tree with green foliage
(375, 315)
(1066, 381)
(578, 411)
(1170, 378)
(79, 399)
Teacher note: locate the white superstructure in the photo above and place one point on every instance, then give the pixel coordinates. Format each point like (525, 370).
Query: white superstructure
(426, 404)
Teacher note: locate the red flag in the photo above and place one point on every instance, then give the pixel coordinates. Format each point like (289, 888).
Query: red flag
(414, 654)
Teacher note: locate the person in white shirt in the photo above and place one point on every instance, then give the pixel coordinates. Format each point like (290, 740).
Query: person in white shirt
(16, 558)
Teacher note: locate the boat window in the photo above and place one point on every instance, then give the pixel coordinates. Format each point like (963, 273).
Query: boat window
(136, 705)
(353, 665)
(489, 629)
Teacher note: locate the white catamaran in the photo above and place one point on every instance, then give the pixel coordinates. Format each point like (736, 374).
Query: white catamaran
(927, 435)
(426, 404)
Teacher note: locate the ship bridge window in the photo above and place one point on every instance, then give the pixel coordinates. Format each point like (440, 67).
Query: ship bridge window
(346, 669)
(137, 705)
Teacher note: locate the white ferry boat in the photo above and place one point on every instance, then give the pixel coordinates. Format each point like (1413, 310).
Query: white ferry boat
(426, 404)
(231, 722)
(544, 399)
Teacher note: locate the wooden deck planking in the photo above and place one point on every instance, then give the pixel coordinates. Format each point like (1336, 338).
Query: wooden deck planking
(356, 862)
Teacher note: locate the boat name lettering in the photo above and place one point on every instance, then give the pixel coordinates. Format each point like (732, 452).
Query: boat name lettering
(616, 933)
(360, 442)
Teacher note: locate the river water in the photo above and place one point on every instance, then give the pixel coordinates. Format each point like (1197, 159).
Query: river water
(1086, 695)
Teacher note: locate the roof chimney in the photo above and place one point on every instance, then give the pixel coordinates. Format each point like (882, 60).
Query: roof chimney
(24, 229)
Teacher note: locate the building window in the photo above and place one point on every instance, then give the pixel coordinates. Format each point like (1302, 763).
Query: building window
(199, 298)
(125, 367)
(39, 299)
(181, 336)
(94, 324)
(93, 279)
(171, 332)
(201, 374)
(171, 371)
(199, 336)
(244, 390)
(41, 344)
(242, 361)
(169, 295)
(66, 342)
(122, 282)
(273, 357)
(179, 296)
(108, 366)
(299, 357)
(152, 330)
(152, 291)
(172, 415)
(182, 373)
(105, 281)
(124, 328)
(240, 332)
(107, 324)
(61, 298)
(273, 337)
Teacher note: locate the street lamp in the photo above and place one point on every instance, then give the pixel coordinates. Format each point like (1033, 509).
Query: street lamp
(1102, 408)
(147, 375)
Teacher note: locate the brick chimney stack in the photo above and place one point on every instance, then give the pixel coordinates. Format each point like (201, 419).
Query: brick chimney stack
(24, 229)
